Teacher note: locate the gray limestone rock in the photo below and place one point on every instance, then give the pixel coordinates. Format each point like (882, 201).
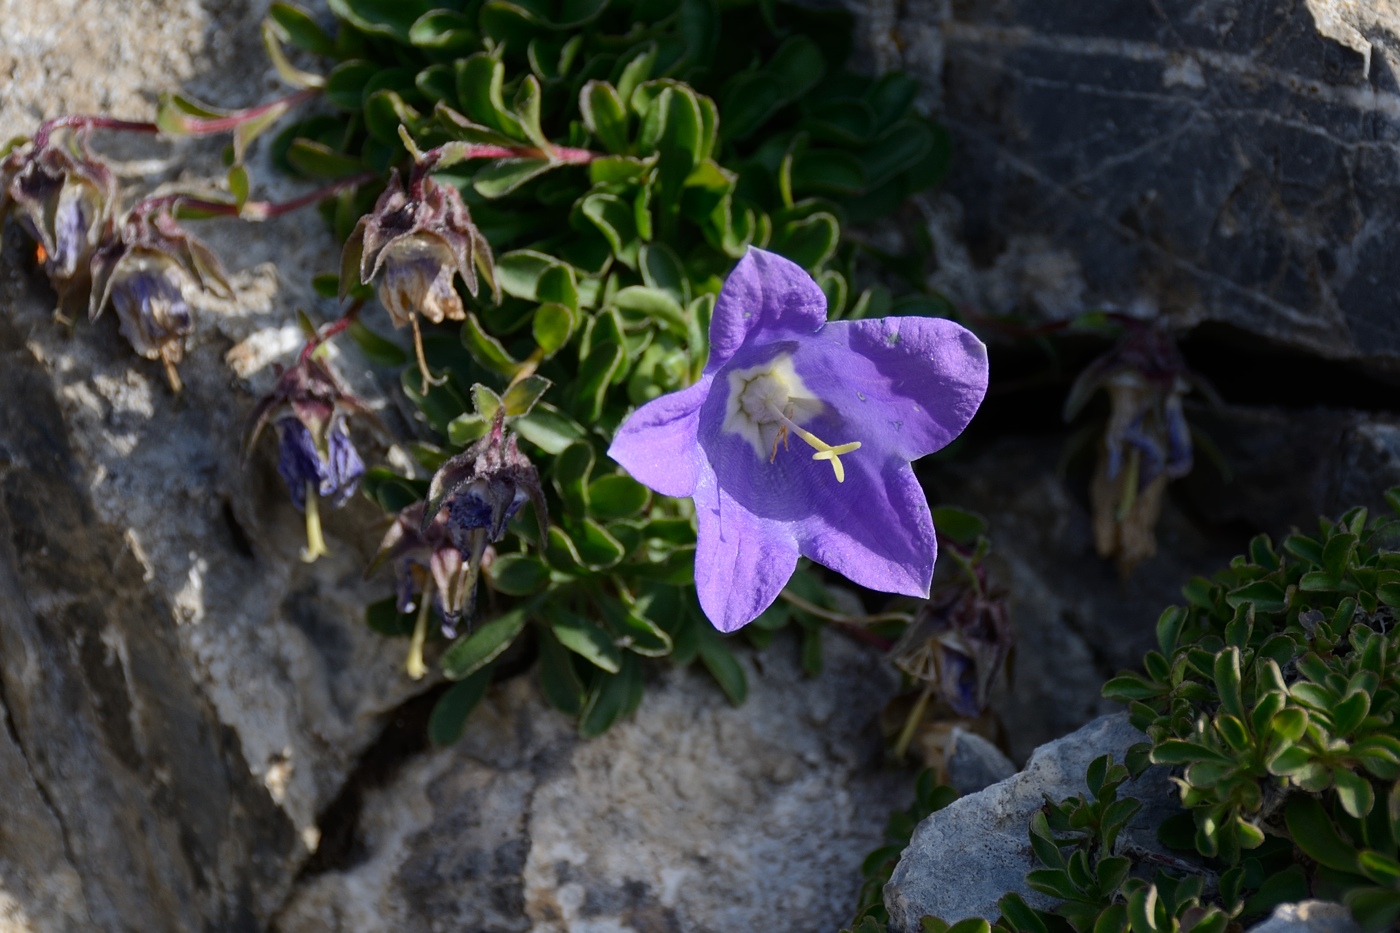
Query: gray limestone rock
(974, 763)
(1205, 160)
(692, 816)
(1308, 917)
(963, 858)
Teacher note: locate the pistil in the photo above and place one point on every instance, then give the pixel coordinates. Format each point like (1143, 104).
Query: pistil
(315, 543)
(824, 451)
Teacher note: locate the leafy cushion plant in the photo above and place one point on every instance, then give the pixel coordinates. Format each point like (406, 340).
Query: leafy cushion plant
(618, 157)
(1273, 698)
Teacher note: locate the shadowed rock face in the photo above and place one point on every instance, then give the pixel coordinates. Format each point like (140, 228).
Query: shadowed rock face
(1212, 160)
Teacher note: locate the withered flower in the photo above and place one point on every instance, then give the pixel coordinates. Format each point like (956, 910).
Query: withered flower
(959, 642)
(316, 458)
(414, 245)
(1146, 443)
(62, 196)
(146, 272)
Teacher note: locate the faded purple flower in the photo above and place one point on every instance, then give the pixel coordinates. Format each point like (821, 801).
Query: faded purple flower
(425, 562)
(866, 396)
(415, 244)
(62, 196)
(145, 273)
(315, 456)
(1146, 443)
(959, 642)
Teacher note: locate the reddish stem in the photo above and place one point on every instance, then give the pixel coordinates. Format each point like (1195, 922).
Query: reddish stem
(197, 126)
(251, 210)
(88, 121)
(351, 315)
(861, 633)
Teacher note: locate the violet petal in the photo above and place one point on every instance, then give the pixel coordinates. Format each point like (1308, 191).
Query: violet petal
(742, 562)
(765, 293)
(657, 442)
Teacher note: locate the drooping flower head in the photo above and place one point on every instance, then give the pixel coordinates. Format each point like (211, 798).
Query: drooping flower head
(146, 273)
(1147, 442)
(62, 196)
(797, 440)
(414, 244)
(315, 456)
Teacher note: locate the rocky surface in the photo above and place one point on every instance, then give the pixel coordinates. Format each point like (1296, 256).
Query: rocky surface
(692, 816)
(1308, 917)
(965, 857)
(1228, 162)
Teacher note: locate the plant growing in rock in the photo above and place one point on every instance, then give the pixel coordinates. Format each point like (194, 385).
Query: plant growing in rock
(602, 170)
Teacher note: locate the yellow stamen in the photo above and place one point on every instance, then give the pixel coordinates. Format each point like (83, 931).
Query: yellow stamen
(824, 451)
(315, 544)
(414, 666)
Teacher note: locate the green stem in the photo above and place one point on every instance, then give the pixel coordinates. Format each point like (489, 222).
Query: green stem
(315, 543)
(911, 724)
(414, 666)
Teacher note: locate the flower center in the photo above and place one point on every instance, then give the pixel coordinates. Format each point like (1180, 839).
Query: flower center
(767, 403)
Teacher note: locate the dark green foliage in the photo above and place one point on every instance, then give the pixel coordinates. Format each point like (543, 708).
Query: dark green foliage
(619, 158)
(1273, 697)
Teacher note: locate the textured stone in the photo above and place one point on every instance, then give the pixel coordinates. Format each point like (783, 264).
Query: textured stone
(692, 816)
(974, 763)
(962, 859)
(1308, 917)
(1205, 160)
(182, 694)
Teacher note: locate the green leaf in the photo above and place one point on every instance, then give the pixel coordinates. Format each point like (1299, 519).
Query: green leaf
(1374, 908)
(1353, 792)
(585, 639)
(517, 574)
(558, 679)
(1349, 712)
(1314, 833)
(827, 172)
(503, 176)
(383, 617)
(1022, 917)
(375, 347)
(958, 525)
(392, 18)
(612, 698)
(487, 350)
(1227, 682)
(616, 220)
(444, 31)
(552, 326)
(612, 497)
(1379, 867)
(1265, 595)
(473, 652)
(661, 269)
(549, 429)
(604, 115)
(520, 399)
(448, 721)
(719, 660)
(652, 304)
(300, 29)
(319, 160)
(807, 242)
(480, 88)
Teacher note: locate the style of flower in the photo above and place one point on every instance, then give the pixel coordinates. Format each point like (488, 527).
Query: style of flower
(146, 273)
(866, 396)
(414, 244)
(1146, 443)
(316, 458)
(61, 195)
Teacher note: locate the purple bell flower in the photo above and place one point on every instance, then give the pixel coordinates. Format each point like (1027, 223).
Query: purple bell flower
(866, 396)
(334, 474)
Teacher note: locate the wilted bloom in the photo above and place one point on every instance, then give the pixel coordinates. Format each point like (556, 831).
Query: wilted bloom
(428, 564)
(315, 457)
(478, 491)
(1147, 442)
(959, 642)
(61, 195)
(866, 396)
(147, 273)
(414, 244)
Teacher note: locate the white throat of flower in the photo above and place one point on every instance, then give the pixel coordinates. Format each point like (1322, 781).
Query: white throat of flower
(768, 402)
